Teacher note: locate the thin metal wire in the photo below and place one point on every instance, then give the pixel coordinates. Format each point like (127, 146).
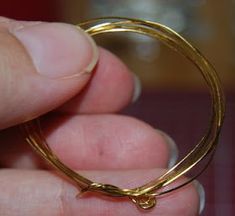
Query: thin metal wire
(145, 195)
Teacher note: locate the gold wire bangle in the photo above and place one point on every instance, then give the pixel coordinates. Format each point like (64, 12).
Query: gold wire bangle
(145, 195)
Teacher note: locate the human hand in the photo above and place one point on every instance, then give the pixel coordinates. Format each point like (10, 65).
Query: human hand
(44, 65)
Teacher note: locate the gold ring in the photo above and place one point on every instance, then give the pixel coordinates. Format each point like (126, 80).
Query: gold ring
(145, 196)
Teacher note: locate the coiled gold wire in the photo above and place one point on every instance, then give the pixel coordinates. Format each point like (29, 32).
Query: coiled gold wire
(145, 196)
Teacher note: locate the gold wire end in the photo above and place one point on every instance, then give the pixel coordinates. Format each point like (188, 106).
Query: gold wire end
(145, 202)
(81, 192)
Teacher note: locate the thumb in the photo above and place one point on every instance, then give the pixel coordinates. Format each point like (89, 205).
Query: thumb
(41, 66)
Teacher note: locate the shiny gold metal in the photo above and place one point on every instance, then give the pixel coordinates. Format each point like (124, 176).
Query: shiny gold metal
(145, 196)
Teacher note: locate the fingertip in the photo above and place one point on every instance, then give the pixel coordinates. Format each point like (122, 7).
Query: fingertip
(35, 59)
(57, 50)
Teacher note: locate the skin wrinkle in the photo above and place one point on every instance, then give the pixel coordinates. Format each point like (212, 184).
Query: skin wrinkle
(82, 137)
(104, 147)
(4, 68)
(101, 141)
(57, 131)
(61, 197)
(124, 145)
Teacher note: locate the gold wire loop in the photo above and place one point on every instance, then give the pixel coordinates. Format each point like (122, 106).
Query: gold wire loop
(145, 195)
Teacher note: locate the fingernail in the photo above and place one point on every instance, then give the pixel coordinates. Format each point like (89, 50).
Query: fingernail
(137, 89)
(57, 50)
(202, 195)
(174, 152)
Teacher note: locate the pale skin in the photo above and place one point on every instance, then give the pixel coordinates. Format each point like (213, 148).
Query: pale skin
(104, 146)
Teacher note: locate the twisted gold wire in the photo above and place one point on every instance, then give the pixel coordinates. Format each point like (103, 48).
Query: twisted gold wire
(145, 195)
